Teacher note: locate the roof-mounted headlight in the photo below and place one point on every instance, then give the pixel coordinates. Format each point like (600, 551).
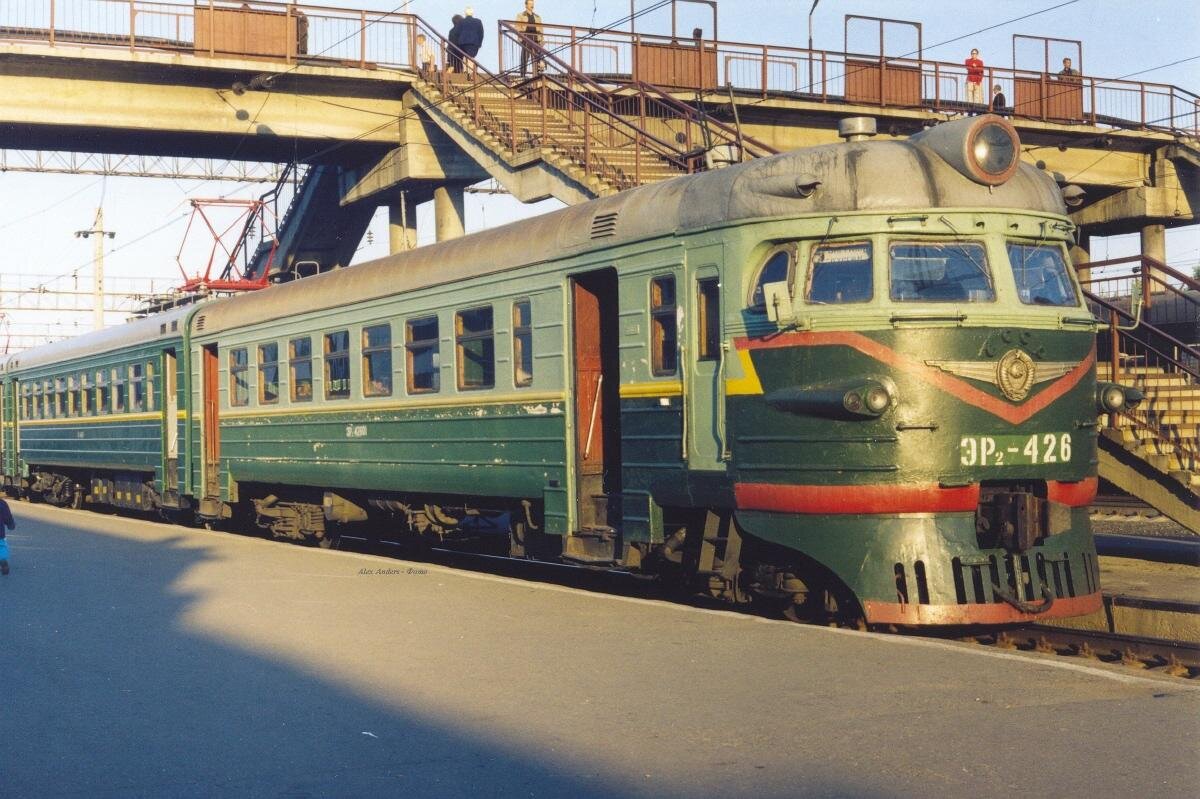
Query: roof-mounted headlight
(985, 149)
(993, 149)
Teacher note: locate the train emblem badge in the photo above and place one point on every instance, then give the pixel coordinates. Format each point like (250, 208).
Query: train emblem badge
(1015, 374)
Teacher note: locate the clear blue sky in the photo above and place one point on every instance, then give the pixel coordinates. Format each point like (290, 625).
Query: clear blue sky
(40, 213)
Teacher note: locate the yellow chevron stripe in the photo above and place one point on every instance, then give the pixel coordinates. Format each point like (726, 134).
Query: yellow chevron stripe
(748, 383)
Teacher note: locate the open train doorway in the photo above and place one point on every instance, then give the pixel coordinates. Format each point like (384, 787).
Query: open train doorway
(597, 381)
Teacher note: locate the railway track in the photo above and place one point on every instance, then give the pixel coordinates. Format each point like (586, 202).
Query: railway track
(1174, 658)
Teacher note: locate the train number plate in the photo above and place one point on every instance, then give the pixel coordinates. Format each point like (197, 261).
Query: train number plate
(1030, 450)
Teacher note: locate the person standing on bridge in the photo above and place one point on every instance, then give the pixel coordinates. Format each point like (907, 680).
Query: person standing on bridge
(470, 38)
(454, 54)
(6, 523)
(530, 27)
(974, 67)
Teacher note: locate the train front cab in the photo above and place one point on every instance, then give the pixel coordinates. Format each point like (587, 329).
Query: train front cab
(916, 417)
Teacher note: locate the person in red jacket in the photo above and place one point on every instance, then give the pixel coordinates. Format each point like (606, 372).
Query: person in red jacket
(6, 523)
(974, 78)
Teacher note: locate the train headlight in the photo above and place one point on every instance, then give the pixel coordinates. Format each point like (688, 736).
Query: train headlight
(994, 150)
(1112, 397)
(985, 149)
(877, 399)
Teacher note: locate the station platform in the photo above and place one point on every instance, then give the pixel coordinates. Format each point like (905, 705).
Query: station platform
(143, 659)
(1144, 598)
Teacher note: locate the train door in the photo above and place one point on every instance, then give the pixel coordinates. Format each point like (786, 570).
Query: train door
(170, 422)
(704, 378)
(212, 421)
(597, 409)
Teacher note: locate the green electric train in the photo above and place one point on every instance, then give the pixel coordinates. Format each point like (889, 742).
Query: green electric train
(857, 378)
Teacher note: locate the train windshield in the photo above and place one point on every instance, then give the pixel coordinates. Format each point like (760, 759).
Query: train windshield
(1041, 275)
(841, 273)
(940, 272)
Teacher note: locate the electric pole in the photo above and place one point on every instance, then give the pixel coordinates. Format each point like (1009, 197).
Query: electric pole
(100, 233)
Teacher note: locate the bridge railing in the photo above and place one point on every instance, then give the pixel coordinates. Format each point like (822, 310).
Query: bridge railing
(274, 30)
(857, 78)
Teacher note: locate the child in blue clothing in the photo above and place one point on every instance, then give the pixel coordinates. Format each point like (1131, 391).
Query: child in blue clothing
(6, 523)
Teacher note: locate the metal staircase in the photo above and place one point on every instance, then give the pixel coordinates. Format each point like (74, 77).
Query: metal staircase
(1151, 451)
(561, 133)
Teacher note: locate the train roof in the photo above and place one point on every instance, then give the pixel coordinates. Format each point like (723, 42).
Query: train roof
(852, 176)
(130, 334)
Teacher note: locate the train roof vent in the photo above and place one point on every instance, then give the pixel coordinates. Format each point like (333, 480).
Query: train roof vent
(604, 225)
(200, 322)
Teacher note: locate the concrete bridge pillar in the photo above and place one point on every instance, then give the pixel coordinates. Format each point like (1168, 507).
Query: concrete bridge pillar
(1154, 242)
(449, 214)
(402, 223)
(1081, 254)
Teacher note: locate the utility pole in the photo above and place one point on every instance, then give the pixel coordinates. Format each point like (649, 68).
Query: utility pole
(99, 232)
(810, 42)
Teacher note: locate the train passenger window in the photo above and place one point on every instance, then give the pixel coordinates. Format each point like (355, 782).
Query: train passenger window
(664, 347)
(39, 400)
(62, 401)
(776, 269)
(119, 391)
(103, 402)
(73, 390)
(424, 368)
(708, 322)
(377, 361)
(239, 379)
(337, 365)
(940, 272)
(840, 273)
(149, 386)
(1041, 275)
(475, 348)
(300, 365)
(522, 336)
(26, 401)
(137, 387)
(268, 373)
(86, 399)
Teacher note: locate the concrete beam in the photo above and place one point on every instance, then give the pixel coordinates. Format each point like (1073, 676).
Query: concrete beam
(426, 155)
(1132, 209)
(90, 101)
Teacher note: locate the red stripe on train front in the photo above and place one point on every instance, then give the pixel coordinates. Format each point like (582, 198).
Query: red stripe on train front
(900, 498)
(896, 498)
(897, 613)
(1013, 414)
(1073, 494)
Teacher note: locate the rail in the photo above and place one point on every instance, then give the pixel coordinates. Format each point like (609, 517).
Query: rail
(287, 32)
(693, 131)
(1133, 348)
(860, 79)
(597, 134)
(291, 32)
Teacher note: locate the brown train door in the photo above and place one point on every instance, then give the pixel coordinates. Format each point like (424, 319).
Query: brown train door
(212, 421)
(597, 400)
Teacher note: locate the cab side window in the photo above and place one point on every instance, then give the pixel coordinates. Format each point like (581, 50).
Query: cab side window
(776, 269)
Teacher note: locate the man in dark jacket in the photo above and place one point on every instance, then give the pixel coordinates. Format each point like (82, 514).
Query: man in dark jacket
(455, 54)
(470, 38)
